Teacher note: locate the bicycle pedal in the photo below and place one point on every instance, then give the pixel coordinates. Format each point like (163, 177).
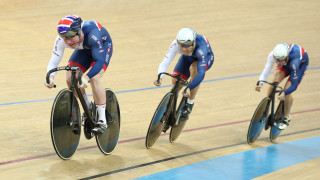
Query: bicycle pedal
(75, 130)
(165, 128)
(70, 123)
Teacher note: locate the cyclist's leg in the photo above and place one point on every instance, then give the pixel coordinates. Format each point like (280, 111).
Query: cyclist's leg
(99, 95)
(182, 67)
(288, 101)
(289, 98)
(279, 75)
(98, 90)
(194, 72)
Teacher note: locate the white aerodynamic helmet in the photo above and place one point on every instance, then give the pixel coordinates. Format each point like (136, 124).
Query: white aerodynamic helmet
(281, 51)
(186, 36)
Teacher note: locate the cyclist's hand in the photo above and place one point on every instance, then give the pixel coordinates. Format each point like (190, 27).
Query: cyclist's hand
(50, 85)
(187, 94)
(156, 83)
(258, 87)
(85, 82)
(282, 96)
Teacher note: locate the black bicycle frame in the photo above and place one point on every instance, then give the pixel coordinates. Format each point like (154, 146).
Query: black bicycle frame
(272, 97)
(173, 99)
(73, 86)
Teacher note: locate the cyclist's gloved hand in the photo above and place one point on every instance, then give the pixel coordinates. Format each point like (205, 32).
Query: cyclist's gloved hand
(156, 83)
(85, 81)
(186, 93)
(50, 85)
(258, 87)
(281, 96)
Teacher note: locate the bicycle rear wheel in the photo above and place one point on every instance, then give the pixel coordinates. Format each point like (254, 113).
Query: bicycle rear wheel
(108, 140)
(258, 121)
(177, 128)
(65, 124)
(278, 117)
(158, 121)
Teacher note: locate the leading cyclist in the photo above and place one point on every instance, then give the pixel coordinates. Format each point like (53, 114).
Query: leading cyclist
(93, 49)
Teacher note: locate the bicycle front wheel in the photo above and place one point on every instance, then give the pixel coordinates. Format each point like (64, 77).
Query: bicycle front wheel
(108, 140)
(258, 120)
(65, 124)
(158, 121)
(278, 117)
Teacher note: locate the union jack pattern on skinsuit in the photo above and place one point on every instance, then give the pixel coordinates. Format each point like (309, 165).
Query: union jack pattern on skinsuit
(302, 51)
(98, 25)
(65, 22)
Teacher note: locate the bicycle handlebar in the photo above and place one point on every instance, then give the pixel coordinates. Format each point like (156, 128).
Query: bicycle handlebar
(178, 77)
(275, 84)
(67, 68)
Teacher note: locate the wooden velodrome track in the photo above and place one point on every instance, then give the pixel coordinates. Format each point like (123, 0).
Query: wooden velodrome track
(242, 33)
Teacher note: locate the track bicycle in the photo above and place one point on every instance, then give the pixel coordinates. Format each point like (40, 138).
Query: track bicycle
(166, 114)
(262, 118)
(66, 121)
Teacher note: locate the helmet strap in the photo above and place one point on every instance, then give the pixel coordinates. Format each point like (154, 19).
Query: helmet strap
(79, 33)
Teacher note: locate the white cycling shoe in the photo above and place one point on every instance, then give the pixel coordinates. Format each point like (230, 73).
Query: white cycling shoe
(100, 128)
(284, 124)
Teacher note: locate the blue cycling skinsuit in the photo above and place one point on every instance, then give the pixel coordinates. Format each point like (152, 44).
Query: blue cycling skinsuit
(296, 66)
(201, 53)
(95, 51)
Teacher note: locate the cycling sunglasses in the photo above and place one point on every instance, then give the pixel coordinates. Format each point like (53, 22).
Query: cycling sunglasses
(68, 34)
(186, 43)
(280, 59)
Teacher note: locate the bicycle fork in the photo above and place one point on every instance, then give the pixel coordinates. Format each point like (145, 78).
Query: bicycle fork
(71, 115)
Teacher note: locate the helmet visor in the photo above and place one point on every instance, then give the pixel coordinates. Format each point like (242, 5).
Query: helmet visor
(280, 59)
(186, 43)
(68, 34)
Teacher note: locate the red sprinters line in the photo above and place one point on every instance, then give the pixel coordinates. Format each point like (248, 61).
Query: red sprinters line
(140, 138)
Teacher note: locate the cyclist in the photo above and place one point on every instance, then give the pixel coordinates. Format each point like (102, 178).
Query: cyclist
(292, 60)
(93, 49)
(196, 58)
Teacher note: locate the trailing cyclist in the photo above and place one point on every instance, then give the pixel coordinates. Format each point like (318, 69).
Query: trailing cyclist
(197, 57)
(292, 60)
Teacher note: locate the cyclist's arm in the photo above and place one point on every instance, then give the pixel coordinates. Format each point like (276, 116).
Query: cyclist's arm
(199, 77)
(294, 76)
(201, 68)
(267, 68)
(57, 54)
(171, 53)
(98, 53)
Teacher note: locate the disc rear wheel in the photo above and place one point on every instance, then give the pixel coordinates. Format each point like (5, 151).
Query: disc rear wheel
(178, 127)
(108, 140)
(278, 116)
